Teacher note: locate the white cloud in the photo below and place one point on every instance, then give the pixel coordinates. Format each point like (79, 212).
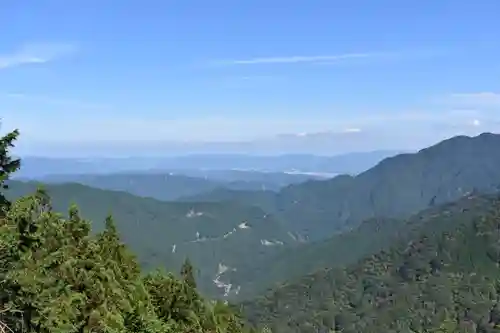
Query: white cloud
(330, 59)
(35, 53)
(352, 130)
(294, 59)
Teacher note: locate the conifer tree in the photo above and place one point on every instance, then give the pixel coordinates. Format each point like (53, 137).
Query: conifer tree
(8, 165)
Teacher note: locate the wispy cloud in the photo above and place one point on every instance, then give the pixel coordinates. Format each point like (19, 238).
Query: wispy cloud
(300, 59)
(35, 53)
(479, 98)
(422, 53)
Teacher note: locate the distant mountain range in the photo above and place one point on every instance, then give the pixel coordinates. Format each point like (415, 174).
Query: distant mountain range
(37, 167)
(173, 186)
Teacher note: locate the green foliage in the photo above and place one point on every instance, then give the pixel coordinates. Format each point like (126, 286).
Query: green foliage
(442, 276)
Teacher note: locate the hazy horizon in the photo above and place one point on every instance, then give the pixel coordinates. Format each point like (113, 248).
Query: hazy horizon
(318, 144)
(184, 154)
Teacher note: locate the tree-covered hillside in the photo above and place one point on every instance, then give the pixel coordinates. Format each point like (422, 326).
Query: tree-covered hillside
(217, 237)
(369, 238)
(446, 275)
(395, 188)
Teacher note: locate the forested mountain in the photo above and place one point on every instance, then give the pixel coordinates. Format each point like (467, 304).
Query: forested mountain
(370, 237)
(443, 274)
(217, 237)
(395, 188)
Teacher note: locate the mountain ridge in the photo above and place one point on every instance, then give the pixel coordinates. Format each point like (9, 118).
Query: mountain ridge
(394, 188)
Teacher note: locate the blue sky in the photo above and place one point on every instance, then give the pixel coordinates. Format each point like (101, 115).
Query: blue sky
(195, 70)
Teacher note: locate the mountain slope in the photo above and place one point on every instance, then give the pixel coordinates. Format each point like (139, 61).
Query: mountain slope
(212, 235)
(395, 188)
(448, 273)
(370, 237)
(292, 263)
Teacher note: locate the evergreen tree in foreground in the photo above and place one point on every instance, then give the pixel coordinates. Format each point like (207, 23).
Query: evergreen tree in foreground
(8, 165)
